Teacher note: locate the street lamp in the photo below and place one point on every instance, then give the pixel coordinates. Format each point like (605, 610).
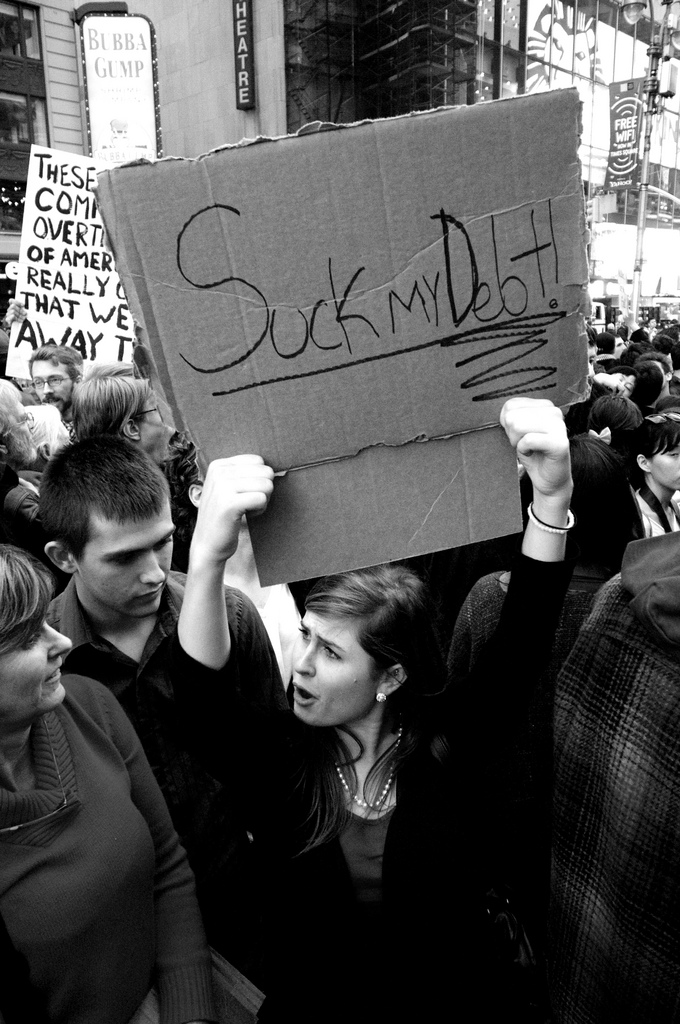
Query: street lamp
(632, 12)
(659, 47)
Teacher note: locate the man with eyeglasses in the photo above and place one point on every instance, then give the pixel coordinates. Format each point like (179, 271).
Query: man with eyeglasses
(108, 403)
(54, 371)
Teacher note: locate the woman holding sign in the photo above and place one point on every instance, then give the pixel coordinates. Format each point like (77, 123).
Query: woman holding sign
(368, 803)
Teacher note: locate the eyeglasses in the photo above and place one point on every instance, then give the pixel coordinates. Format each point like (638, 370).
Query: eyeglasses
(146, 412)
(661, 417)
(54, 382)
(25, 421)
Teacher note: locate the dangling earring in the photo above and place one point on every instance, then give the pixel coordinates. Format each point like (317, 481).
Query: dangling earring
(381, 697)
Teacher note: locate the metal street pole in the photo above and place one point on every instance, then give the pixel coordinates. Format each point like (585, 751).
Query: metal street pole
(651, 92)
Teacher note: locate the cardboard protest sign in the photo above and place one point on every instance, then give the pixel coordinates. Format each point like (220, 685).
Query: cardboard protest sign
(355, 305)
(67, 279)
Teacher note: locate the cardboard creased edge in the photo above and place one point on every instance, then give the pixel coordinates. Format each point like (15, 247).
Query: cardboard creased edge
(419, 439)
(315, 127)
(160, 376)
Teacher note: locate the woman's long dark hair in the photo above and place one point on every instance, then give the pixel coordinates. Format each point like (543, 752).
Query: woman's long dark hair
(181, 471)
(621, 416)
(656, 434)
(396, 621)
(607, 514)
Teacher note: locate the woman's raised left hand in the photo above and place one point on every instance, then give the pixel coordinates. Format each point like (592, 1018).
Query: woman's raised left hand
(536, 429)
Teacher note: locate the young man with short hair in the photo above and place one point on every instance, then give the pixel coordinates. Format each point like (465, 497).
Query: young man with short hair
(666, 364)
(54, 370)
(107, 511)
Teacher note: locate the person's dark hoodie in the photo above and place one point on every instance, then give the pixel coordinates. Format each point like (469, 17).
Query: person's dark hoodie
(615, 887)
(651, 575)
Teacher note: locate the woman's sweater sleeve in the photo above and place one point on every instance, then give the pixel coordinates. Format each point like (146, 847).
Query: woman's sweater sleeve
(183, 967)
(234, 717)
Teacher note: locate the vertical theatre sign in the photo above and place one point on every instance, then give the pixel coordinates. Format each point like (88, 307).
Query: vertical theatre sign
(625, 124)
(121, 87)
(244, 63)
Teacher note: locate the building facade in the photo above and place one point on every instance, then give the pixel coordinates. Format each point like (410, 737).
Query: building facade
(40, 103)
(342, 61)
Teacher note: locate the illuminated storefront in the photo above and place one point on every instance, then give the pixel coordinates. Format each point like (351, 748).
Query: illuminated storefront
(347, 60)
(589, 45)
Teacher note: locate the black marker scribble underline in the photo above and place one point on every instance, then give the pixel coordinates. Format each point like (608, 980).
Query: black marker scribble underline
(475, 334)
(536, 339)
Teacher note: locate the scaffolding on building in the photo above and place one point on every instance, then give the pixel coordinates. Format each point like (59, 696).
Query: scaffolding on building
(351, 59)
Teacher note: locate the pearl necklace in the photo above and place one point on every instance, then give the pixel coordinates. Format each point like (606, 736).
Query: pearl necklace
(366, 804)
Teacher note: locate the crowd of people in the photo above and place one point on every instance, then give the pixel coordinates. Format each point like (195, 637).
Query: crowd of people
(373, 811)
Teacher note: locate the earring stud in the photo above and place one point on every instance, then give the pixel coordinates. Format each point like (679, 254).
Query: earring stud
(381, 697)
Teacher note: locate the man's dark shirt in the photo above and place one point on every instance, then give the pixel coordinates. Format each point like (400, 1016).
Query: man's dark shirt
(205, 813)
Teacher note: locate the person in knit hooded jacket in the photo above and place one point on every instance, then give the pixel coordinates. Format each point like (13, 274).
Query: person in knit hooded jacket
(615, 891)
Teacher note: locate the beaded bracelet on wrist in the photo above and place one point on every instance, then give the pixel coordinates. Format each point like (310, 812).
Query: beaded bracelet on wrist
(550, 529)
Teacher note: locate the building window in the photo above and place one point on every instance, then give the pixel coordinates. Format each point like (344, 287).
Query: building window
(12, 199)
(351, 59)
(19, 31)
(22, 120)
(23, 97)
